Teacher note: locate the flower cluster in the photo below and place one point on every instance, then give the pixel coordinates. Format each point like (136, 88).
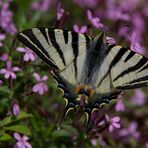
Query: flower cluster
(6, 22)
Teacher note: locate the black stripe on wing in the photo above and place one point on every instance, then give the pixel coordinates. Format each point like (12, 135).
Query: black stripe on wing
(51, 33)
(144, 67)
(44, 33)
(139, 80)
(65, 34)
(128, 86)
(130, 55)
(141, 62)
(28, 38)
(117, 58)
(75, 47)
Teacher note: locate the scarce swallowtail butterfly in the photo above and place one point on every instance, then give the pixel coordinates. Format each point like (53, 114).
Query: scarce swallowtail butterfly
(87, 70)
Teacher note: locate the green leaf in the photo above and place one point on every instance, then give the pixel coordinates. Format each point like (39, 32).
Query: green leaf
(4, 91)
(2, 132)
(5, 137)
(33, 21)
(61, 133)
(19, 128)
(12, 118)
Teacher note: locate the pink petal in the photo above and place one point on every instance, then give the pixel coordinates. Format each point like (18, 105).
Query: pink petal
(101, 123)
(119, 105)
(16, 109)
(110, 40)
(115, 119)
(15, 68)
(25, 138)
(20, 145)
(123, 132)
(45, 88)
(13, 75)
(2, 36)
(4, 57)
(7, 75)
(26, 57)
(111, 128)
(107, 117)
(2, 71)
(76, 28)
(21, 49)
(83, 29)
(36, 88)
(41, 91)
(89, 14)
(44, 78)
(117, 125)
(28, 145)
(133, 37)
(9, 64)
(36, 76)
(32, 56)
(17, 136)
(94, 142)
(133, 127)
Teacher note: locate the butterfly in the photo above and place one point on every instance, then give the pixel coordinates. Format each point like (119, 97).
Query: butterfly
(89, 71)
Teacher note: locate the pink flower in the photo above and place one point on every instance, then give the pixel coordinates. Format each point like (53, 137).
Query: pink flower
(94, 20)
(114, 12)
(130, 131)
(40, 87)
(135, 45)
(146, 145)
(78, 29)
(138, 24)
(15, 108)
(124, 31)
(22, 141)
(6, 18)
(9, 71)
(119, 105)
(138, 98)
(42, 5)
(87, 3)
(110, 40)
(113, 122)
(60, 11)
(29, 54)
(4, 57)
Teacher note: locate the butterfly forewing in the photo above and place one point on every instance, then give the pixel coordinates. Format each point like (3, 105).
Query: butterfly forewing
(58, 48)
(130, 71)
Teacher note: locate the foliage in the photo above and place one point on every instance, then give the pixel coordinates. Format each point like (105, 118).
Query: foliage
(31, 104)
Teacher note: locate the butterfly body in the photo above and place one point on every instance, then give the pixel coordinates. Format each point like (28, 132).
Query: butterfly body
(89, 71)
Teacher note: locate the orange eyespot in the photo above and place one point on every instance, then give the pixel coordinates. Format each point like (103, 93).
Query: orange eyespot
(91, 91)
(86, 88)
(79, 88)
